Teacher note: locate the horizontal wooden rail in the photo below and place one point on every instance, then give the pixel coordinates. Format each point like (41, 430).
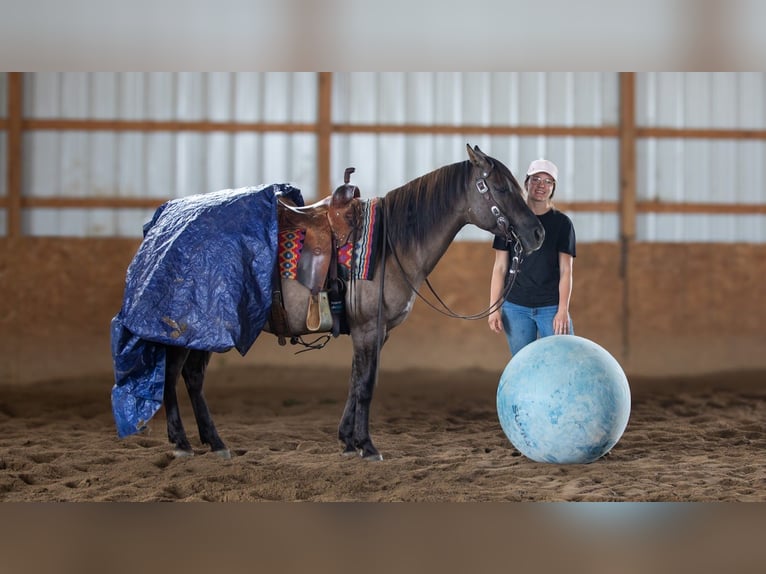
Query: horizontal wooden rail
(350, 128)
(494, 130)
(710, 208)
(162, 126)
(344, 128)
(655, 206)
(105, 202)
(589, 206)
(701, 133)
(93, 202)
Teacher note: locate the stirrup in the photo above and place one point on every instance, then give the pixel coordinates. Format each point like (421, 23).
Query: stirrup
(319, 316)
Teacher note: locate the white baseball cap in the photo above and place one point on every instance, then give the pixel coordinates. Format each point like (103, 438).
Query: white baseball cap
(540, 165)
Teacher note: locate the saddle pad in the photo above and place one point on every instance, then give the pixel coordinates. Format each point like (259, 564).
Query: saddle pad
(365, 252)
(354, 259)
(290, 248)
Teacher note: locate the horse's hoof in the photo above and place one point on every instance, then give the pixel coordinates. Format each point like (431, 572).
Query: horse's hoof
(350, 452)
(223, 453)
(375, 457)
(180, 453)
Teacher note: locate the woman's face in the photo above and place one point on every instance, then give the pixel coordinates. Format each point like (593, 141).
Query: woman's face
(540, 186)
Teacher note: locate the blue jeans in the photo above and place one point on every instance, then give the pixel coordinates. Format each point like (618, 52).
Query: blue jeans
(523, 325)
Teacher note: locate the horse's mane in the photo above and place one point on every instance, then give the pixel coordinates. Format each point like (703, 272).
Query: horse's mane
(412, 210)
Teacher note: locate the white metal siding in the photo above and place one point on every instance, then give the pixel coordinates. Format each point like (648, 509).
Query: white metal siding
(696, 170)
(184, 96)
(134, 164)
(701, 99)
(476, 98)
(157, 164)
(588, 166)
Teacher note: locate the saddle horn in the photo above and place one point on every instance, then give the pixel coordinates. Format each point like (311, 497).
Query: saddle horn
(346, 192)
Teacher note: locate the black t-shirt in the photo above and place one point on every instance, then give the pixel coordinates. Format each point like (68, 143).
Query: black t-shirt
(537, 284)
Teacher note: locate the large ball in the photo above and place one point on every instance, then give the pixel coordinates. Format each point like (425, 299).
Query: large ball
(563, 399)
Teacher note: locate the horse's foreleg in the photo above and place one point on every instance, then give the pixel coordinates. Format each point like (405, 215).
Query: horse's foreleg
(346, 427)
(176, 357)
(364, 376)
(194, 377)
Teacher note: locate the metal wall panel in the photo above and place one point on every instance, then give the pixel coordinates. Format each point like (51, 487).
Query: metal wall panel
(476, 98)
(695, 170)
(135, 164)
(588, 166)
(702, 228)
(177, 164)
(182, 96)
(701, 99)
(160, 164)
(709, 171)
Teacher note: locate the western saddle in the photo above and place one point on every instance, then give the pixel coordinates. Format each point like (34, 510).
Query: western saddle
(327, 225)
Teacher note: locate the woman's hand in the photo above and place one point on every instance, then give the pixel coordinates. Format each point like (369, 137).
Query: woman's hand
(561, 323)
(495, 321)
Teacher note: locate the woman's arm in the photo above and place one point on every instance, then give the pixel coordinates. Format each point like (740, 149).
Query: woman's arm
(496, 284)
(561, 320)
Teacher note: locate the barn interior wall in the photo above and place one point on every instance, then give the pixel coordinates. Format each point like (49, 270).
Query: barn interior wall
(679, 309)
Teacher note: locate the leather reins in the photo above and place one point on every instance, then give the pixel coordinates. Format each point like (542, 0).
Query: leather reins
(486, 192)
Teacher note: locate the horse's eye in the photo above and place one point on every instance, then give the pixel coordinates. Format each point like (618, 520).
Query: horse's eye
(493, 185)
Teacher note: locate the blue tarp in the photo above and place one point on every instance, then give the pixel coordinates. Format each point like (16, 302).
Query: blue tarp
(200, 279)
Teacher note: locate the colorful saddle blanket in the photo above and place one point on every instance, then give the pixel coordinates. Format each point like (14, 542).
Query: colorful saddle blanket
(355, 259)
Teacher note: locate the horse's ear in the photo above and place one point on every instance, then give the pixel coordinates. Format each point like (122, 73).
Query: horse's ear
(478, 157)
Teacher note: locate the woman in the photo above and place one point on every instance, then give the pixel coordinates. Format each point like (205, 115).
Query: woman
(538, 303)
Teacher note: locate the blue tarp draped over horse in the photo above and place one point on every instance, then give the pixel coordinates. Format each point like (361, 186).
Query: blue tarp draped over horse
(201, 279)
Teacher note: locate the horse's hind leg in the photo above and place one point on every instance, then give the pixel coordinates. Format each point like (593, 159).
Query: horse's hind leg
(194, 377)
(175, 359)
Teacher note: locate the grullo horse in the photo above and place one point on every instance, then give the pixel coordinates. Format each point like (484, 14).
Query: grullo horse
(420, 219)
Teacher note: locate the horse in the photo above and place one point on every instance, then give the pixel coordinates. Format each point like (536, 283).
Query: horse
(420, 219)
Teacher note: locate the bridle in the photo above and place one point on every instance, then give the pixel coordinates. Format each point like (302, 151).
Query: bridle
(502, 222)
(486, 192)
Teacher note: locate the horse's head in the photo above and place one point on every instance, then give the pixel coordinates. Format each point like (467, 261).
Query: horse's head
(496, 203)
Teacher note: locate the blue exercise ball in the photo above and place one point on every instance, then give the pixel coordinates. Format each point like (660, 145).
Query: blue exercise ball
(563, 399)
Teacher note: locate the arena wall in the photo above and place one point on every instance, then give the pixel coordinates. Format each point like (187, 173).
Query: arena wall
(673, 309)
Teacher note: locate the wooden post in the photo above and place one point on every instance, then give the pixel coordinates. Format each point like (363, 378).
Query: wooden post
(627, 130)
(14, 153)
(324, 135)
(627, 136)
